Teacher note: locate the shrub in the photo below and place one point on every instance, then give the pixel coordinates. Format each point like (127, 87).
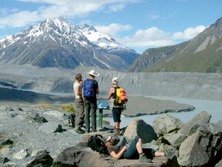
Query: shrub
(68, 108)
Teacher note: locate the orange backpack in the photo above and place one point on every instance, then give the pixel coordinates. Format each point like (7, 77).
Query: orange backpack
(121, 97)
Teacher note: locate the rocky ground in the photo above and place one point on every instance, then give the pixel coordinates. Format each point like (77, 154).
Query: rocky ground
(31, 128)
(24, 127)
(29, 120)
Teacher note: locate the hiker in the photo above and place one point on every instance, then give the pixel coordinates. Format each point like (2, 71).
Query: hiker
(79, 107)
(133, 150)
(90, 90)
(116, 110)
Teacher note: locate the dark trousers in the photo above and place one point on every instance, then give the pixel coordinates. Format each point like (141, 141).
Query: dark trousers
(131, 152)
(79, 107)
(90, 107)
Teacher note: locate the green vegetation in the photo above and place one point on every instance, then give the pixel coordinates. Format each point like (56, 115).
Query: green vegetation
(68, 108)
(44, 105)
(205, 61)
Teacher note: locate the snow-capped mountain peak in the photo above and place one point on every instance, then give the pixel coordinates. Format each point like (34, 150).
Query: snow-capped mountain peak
(101, 39)
(57, 43)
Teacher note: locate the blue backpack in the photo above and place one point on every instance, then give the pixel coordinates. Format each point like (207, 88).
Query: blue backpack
(89, 88)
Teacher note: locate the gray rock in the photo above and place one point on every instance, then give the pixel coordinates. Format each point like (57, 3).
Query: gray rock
(169, 151)
(83, 157)
(51, 127)
(3, 160)
(42, 159)
(215, 128)
(36, 117)
(219, 164)
(175, 139)
(199, 119)
(79, 156)
(138, 127)
(4, 142)
(193, 151)
(166, 123)
(21, 154)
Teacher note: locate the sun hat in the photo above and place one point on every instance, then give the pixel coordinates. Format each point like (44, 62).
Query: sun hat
(108, 139)
(112, 139)
(94, 73)
(115, 80)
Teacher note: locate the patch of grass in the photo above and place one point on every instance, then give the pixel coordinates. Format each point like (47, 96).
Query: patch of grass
(45, 105)
(40, 105)
(68, 108)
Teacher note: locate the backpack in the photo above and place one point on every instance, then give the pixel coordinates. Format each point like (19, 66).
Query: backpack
(96, 143)
(120, 96)
(71, 120)
(88, 88)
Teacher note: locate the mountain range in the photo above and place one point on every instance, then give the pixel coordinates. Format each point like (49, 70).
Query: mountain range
(202, 54)
(58, 43)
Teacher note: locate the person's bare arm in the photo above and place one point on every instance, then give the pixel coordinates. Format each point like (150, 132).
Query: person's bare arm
(79, 91)
(97, 91)
(110, 93)
(119, 154)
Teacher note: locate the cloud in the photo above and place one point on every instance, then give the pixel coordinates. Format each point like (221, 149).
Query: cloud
(188, 33)
(54, 8)
(113, 29)
(117, 7)
(155, 37)
(153, 16)
(143, 38)
(25, 18)
(151, 37)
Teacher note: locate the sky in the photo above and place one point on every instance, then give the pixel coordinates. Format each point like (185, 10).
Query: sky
(137, 24)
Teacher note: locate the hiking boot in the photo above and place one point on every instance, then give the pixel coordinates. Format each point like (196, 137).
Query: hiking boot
(80, 131)
(116, 132)
(144, 159)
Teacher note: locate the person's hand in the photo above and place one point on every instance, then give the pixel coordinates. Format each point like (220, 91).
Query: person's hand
(125, 147)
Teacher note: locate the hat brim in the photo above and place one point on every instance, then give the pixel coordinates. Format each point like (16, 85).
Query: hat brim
(94, 74)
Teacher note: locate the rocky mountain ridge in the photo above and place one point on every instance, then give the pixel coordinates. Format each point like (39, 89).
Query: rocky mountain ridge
(58, 43)
(200, 54)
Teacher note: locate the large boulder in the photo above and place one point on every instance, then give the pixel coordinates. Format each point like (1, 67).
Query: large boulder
(200, 119)
(166, 124)
(82, 156)
(193, 151)
(138, 127)
(203, 147)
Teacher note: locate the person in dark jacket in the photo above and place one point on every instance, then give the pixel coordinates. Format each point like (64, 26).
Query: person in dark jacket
(90, 91)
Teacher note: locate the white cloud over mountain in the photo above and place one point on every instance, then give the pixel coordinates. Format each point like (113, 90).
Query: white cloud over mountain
(34, 11)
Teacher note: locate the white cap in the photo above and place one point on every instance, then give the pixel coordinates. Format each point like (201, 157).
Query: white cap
(115, 80)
